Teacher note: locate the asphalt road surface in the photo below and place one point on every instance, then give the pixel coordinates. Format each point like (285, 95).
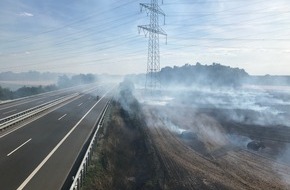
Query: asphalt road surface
(16, 106)
(41, 154)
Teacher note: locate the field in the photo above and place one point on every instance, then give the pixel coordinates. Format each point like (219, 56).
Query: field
(208, 162)
(194, 140)
(203, 146)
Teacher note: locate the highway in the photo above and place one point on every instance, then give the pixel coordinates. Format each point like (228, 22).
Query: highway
(22, 104)
(41, 154)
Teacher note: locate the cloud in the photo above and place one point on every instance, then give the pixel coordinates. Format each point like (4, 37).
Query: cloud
(25, 14)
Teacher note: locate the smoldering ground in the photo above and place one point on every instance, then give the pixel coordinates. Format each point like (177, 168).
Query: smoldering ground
(198, 116)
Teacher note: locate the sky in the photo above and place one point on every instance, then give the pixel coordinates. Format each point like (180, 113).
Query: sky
(89, 36)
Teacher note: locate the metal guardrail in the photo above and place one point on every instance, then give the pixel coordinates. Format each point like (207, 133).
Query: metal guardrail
(16, 118)
(26, 111)
(81, 173)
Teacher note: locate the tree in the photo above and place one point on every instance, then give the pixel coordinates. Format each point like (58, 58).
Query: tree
(5, 94)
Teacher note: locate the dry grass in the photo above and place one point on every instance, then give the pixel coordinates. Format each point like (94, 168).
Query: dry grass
(121, 159)
(193, 169)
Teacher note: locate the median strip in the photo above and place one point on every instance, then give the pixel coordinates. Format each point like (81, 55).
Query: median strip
(19, 147)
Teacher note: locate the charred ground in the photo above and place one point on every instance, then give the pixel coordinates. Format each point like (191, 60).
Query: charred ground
(174, 144)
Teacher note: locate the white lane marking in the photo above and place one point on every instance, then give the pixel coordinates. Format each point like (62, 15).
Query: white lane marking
(55, 148)
(9, 111)
(80, 104)
(19, 147)
(33, 119)
(61, 117)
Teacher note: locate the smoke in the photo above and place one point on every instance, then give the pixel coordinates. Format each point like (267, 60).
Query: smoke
(239, 140)
(239, 105)
(199, 115)
(184, 121)
(167, 123)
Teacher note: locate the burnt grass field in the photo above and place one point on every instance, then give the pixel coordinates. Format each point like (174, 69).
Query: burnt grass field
(194, 140)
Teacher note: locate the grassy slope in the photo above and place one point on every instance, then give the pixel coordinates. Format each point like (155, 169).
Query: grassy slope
(122, 158)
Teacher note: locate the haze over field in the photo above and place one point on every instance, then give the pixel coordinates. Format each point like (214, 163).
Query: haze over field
(193, 126)
(74, 79)
(102, 37)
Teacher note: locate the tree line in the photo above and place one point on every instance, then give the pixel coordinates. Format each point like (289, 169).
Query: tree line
(215, 75)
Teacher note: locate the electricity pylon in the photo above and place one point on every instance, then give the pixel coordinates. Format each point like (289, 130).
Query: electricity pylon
(153, 30)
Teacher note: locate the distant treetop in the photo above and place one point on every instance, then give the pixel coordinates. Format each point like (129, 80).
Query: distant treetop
(208, 75)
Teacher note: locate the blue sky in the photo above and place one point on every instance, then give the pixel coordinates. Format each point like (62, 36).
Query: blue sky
(89, 36)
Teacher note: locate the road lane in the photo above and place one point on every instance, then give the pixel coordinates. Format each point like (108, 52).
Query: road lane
(46, 133)
(53, 173)
(8, 109)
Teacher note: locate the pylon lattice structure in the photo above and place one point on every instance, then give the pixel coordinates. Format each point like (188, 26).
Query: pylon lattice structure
(153, 30)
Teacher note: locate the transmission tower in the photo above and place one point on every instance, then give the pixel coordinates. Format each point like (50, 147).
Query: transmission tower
(153, 30)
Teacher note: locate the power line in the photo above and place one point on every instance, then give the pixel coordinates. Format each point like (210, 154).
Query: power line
(81, 20)
(153, 30)
(202, 2)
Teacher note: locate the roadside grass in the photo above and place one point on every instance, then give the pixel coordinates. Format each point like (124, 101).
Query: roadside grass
(121, 158)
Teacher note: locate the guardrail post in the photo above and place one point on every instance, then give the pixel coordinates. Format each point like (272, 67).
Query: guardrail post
(89, 157)
(79, 183)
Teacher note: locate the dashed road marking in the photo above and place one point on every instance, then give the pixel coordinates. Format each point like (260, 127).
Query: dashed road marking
(19, 147)
(62, 117)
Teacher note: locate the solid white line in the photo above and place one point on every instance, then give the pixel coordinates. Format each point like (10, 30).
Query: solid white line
(55, 148)
(19, 147)
(80, 104)
(9, 111)
(61, 117)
